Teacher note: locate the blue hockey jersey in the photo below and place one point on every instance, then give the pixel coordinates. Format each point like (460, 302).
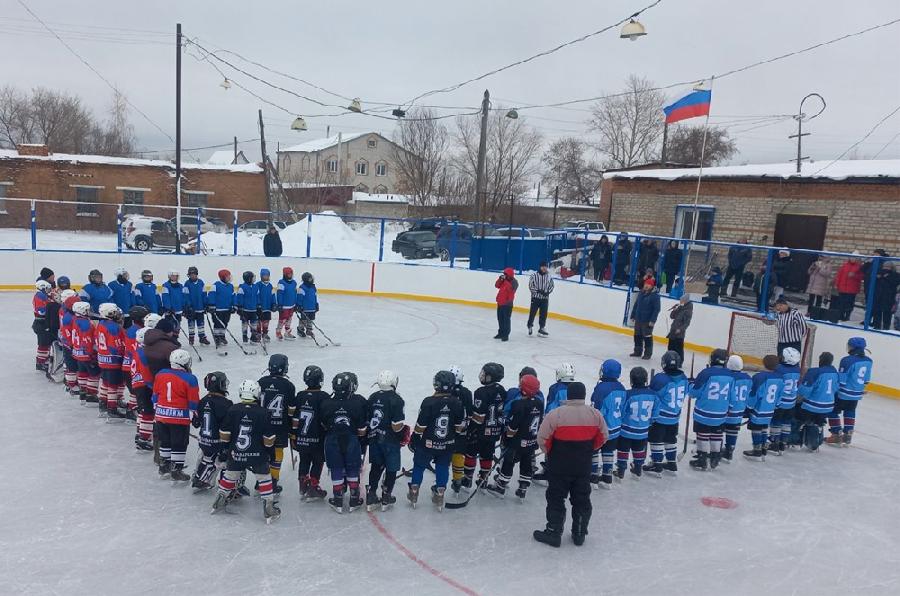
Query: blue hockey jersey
(855, 372)
(670, 390)
(173, 296)
(608, 397)
(145, 295)
(122, 294)
(96, 294)
(286, 293)
(195, 294)
(791, 376)
(637, 413)
(266, 292)
(221, 296)
(712, 392)
(308, 298)
(740, 393)
(818, 388)
(765, 391)
(247, 296)
(558, 393)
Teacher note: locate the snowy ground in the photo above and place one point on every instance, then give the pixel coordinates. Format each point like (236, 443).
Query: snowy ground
(86, 514)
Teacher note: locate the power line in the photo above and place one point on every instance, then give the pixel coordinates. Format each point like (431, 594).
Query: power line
(860, 142)
(76, 25)
(219, 146)
(886, 145)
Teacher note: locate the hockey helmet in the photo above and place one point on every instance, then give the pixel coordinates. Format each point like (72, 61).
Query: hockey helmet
(193, 271)
(264, 274)
(735, 363)
(95, 276)
(457, 373)
(770, 361)
(249, 391)
(121, 273)
(146, 276)
(344, 384)
(443, 382)
(63, 283)
(308, 278)
(138, 313)
(216, 382)
(387, 380)
(856, 344)
(66, 294)
(638, 376)
(671, 360)
(529, 385)
(108, 310)
(565, 372)
(180, 359)
(718, 357)
(172, 273)
(287, 272)
(139, 336)
(81, 308)
(224, 275)
(791, 356)
(71, 301)
(43, 285)
(527, 371)
(313, 376)
(611, 369)
(151, 320)
(491, 373)
(248, 277)
(278, 364)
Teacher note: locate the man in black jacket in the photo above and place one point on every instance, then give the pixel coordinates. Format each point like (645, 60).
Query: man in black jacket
(272, 243)
(644, 313)
(738, 257)
(622, 252)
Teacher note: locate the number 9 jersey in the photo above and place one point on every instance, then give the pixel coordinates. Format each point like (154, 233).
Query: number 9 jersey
(441, 417)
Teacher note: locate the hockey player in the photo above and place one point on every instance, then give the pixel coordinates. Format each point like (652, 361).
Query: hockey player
(637, 411)
(307, 430)
(278, 396)
(266, 293)
(520, 438)
(136, 317)
(247, 435)
(122, 293)
(440, 420)
(95, 292)
(711, 391)
(816, 400)
(515, 393)
(247, 301)
(66, 328)
(485, 424)
(175, 399)
(855, 372)
(607, 398)
(173, 297)
(220, 305)
(764, 394)
(307, 304)
(210, 419)
(384, 412)
(737, 404)
(195, 306)
(286, 300)
(41, 324)
(344, 421)
(464, 395)
(110, 342)
(780, 431)
(565, 374)
(145, 293)
(84, 352)
(142, 387)
(671, 387)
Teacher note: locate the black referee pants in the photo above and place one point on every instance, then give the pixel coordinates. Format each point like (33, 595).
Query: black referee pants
(538, 304)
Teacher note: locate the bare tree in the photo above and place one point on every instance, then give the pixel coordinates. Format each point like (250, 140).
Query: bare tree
(16, 124)
(116, 137)
(420, 154)
(685, 144)
(629, 125)
(60, 121)
(568, 164)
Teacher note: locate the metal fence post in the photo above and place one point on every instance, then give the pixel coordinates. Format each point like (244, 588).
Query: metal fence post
(308, 234)
(453, 244)
(119, 221)
(764, 286)
(870, 293)
(582, 259)
(522, 251)
(612, 261)
(197, 251)
(33, 226)
(381, 243)
(234, 228)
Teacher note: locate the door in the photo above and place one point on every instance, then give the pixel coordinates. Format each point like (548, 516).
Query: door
(800, 231)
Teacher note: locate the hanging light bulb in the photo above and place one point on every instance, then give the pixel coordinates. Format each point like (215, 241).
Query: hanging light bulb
(298, 124)
(355, 106)
(632, 30)
(226, 84)
(513, 114)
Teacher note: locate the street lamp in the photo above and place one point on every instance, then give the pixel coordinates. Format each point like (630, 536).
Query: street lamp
(632, 30)
(298, 124)
(800, 117)
(355, 106)
(226, 84)
(513, 114)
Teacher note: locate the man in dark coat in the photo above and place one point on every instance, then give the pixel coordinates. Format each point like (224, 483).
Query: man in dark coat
(159, 343)
(649, 256)
(672, 264)
(644, 313)
(623, 257)
(681, 315)
(601, 255)
(272, 242)
(738, 257)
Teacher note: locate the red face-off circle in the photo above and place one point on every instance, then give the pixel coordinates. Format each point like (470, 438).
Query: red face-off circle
(718, 502)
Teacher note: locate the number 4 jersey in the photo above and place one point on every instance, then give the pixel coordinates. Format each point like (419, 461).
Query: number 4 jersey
(278, 396)
(525, 418)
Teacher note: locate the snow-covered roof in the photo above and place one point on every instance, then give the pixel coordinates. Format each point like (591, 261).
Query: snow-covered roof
(838, 170)
(545, 202)
(128, 161)
(226, 158)
(325, 143)
(374, 198)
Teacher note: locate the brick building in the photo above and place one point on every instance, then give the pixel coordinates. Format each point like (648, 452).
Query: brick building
(88, 188)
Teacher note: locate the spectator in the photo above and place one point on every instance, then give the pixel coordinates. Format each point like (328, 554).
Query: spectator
(506, 286)
(644, 313)
(867, 271)
(649, 255)
(739, 255)
(886, 282)
(681, 315)
(601, 255)
(713, 286)
(541, 286)
(48, 276)
(672, 264)
(897, 311)
(848, 282)
(791, 326)
(781, 269)
(159, 343)
(623, 256)
(272, 242)
(819, 284)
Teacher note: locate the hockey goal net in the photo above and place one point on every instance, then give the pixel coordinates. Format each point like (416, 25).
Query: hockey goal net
(752, 336)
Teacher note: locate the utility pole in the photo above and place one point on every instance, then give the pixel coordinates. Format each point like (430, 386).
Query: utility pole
(662, 157)
(555, 205)
(480, 182)
(265, 162)
(235, 150)
(800, 134)
(178, 138)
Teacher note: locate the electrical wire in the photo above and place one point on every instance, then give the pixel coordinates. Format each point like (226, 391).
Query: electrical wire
(219, 146)
(859, 142)
(886, 145)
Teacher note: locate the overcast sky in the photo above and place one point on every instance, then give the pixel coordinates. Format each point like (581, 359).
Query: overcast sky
(391, 51)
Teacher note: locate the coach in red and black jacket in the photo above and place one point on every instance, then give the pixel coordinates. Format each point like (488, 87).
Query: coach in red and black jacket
(569, 436)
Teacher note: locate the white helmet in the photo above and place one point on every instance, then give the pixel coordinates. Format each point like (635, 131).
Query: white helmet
(790, 356)
(180, 359)
(108, 310)
(565, 372)
(387, 380)
(43, 285)
(66, 294)
(249, 391)
(457, 372)
(81, 308)
(151, 320)
(121, 271)
(172, 273)
(139, 336)
(735, 362)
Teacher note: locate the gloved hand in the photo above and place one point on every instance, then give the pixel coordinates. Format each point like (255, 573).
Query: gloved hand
(211, 309)
(259, 311)
(317, 308)
(223, 455)
(195, 420)
(415, 442)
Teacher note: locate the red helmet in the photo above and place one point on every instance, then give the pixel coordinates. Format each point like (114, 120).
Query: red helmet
(288, 272)
(70, 301)
(529, 385)
(224, 274)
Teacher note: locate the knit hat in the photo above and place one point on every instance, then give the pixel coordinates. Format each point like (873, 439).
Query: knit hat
(509, 272)
(166, 325)
(46, 272)
(576, 390)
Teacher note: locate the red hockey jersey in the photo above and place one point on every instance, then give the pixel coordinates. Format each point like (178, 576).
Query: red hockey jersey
(176, 395)
(83, 339)
(109, 341)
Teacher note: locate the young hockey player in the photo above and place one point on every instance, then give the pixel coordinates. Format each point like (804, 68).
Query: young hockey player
(737, 404)
(95, 292)
(247, 302)
(122, 293)
(195, 306)
(220, 305)
(387, 433)
(671, 388)
(780, 431)
(110, 345)
(764, 394)
(607, 398)
(711, 391)
(210, 419)
(66, 329)
(279, 397)
(307, 430)
(145, 293)
(485, 424)
(41, 324)
(565, 374)
(344, 421)
(855, 372)
(173, 297)
(816, 400)
(286, 300)
(637, 411)
(520, 438)
(175, 398)
(247, 437)
(142, 387)
(307, 305)
(84, 352)
(464, 395)
(515, 393)
(440, 420)
(267, 304)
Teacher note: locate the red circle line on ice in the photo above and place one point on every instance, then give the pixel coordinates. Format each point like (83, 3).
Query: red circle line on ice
(412, 557)
(718, 502)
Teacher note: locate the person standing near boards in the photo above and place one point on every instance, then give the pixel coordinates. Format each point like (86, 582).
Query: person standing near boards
(681, 315)
(506, 286)
(540, 284)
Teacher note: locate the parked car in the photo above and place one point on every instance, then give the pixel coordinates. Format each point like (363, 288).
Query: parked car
(430, 224)
(517, 232)
(207, 224)
(151, 233)
(461, 243)
(586, 226)
(415, 244)
(260, 226)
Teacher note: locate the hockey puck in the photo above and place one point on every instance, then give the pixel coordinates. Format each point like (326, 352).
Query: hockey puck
(718, 502)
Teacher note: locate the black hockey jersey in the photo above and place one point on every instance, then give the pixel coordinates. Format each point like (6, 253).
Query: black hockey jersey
(442, 418)
(488, 406)
(248, 424)
(384, 409)
(279, 397)
(211, 415)
(464, 395)
(344, 415)
(307, 421)
(525, 418)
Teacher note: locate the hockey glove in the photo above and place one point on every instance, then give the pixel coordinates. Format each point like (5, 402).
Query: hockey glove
(404, 435)
(211, 309)
(195, 420)
(415, 442)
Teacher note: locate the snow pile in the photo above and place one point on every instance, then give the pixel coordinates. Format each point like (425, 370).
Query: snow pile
(324, 143)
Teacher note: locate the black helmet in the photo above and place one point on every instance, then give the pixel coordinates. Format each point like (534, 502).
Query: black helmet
(313, 376)
(95, 276)
(638, 376)
(444, 380)
(216, 382)
(278, 364)
(344, 384)
(671, 360)
(137, 313)
(491, 373)
(527, 371)
(718, 357)
(307, 277)
(248, 277)
(145, 274)
(63, 283)
(193, 270)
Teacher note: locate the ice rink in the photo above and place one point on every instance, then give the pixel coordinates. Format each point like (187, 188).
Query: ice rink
(84, 513)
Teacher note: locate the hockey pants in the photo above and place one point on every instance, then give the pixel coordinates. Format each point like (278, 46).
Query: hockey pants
(284, 319)
(229, 479)
(663, 442)
(196, 323)
(441, 460)
(173, 442)
(847, 408)
(524, 456)
(311, 460)
(344, 457)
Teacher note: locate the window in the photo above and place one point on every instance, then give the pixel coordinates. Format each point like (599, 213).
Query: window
(684, 221)
(331, 165)
(197, 199)
(372, 143)
(381, 169)
(381, 189)
(361, 188)
(304, 163)
(132, 201)
(362, 168)
(87, 198)
(3, 187)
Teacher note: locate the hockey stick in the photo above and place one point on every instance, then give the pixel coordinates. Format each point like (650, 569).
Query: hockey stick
(316, 341)
(262, 341)
(193, 347)
(478, 485)
(293, 461)
(687, 420)
(319, 329)
(230, 334)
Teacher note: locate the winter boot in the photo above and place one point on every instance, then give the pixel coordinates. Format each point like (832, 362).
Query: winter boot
(165, 468)
(549, 536)
(355, 501)
(177, 474)
(270, 510)
(437, 496)
(579, 530)
(755, 454)
(728, 454)
(372, 500)
(714, 458)
(654, 469)
(701, 461)
(848, 436)
(413, 495)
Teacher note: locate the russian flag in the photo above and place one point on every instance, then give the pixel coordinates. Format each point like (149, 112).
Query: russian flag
(690, 106)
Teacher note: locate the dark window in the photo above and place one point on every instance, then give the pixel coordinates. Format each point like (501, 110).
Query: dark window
(684, 222)
(3, 198)
(133, 202)
(87, 199)
(196, 199)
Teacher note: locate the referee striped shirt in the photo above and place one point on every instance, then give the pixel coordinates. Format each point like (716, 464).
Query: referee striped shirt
(791, 326)
(540, 284)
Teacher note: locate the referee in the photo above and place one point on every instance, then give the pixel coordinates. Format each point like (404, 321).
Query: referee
(541, 285)
(791, 327)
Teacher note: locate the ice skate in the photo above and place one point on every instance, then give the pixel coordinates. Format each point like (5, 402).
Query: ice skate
(466, 483)
(437, 497)
(413, 495)
(700, 464)
(177, 474)
(270, 511)
(543, 332)
(754, 455)
(337, 502)
(714, 458)
(619, 474)
(372, 500)
(530, 330)
(671, 468)
(219, 504)
(520, 494)
(848, 436)
(635, 470)
(606, 481)
(835, 440)
(315, 493)
(288, 335)
(387, 500)
(165, 468)
(204, 341)
(495, 490)
(143, 445)
(355, 501)
(728, 454)
(654, 469)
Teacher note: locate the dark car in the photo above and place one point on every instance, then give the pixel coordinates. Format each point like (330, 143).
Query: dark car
(430, 224)
(415, 244)
(457, 238)
(152, 233)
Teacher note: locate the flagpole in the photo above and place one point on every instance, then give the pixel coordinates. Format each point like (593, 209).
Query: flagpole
(696, 211)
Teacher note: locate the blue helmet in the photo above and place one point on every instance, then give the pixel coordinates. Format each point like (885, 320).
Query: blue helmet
(611, 369)
(264, 273)
(63, 283)
(855, 344)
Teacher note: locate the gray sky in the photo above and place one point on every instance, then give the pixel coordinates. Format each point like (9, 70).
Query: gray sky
(391, 51)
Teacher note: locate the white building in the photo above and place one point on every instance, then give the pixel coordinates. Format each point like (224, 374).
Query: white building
(227, 158)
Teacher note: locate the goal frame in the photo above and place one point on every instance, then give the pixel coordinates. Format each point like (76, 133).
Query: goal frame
(754, 361)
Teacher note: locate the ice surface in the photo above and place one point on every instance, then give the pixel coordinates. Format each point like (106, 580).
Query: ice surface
(83, 513)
